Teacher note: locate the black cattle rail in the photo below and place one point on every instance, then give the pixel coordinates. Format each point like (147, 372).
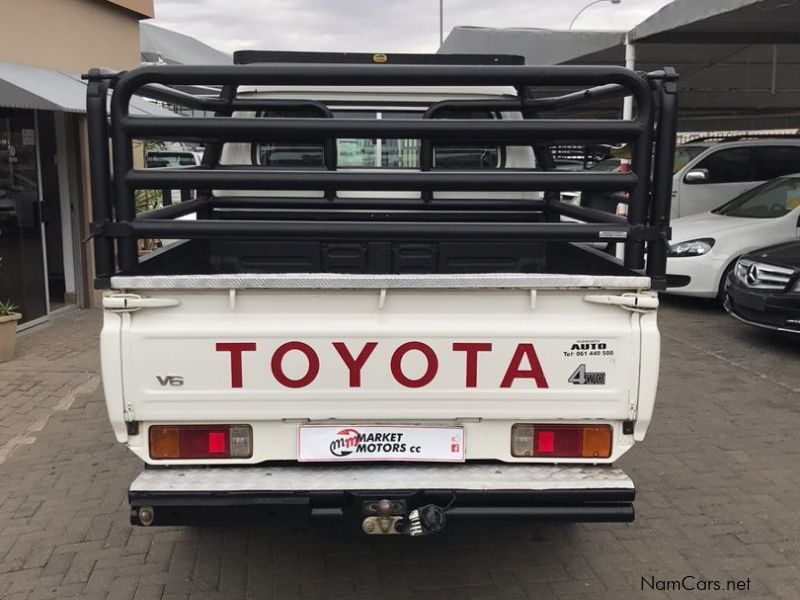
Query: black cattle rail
(651, 134)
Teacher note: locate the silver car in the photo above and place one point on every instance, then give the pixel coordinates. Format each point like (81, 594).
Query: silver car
(709, 174)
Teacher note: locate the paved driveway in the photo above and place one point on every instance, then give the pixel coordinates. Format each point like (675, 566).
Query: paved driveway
(719, 482)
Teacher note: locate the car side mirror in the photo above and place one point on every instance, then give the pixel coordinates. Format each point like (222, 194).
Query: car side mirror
(697, 176)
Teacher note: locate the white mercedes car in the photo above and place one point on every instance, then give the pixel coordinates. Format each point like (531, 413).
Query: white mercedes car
(705, 247)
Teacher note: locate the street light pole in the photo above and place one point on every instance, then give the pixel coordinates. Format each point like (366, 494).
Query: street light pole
(580, 12)
(441, 23)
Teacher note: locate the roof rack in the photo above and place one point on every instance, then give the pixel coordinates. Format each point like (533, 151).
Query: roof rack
(743, 136)
(250, 57)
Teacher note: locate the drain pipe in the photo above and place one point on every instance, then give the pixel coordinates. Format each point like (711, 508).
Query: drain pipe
(627, 114)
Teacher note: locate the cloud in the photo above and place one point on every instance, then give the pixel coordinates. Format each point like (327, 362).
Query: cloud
(370, 26)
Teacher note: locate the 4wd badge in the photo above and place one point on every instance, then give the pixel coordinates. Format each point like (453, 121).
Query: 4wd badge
(583, 377)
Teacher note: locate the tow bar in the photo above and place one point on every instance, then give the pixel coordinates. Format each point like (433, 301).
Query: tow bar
(390, 517)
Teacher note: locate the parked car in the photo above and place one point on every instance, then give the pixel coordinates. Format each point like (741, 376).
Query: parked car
(708, 175)
(705, 247)
(606, 201)
(764, 288)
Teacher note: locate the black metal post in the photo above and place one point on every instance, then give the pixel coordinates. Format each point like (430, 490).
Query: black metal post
(638, 201)
(99, 172)
(446, 131)
(235, 229)
(662, 178)
(124, 196)
(456, 181)
(406, 204)
(175, 210)
(213, 151)
(544, 161)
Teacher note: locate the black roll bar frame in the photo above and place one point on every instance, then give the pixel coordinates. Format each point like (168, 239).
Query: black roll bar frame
(645, 231)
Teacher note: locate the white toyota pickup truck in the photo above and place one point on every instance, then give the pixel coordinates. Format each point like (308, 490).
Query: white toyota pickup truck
(377, 307)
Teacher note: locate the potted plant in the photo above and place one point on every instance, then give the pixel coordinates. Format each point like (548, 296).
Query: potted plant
(8, 330)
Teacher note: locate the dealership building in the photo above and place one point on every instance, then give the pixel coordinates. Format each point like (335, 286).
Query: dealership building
(44, 189)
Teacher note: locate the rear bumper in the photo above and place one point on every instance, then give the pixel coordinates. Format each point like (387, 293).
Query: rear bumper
(207, 495)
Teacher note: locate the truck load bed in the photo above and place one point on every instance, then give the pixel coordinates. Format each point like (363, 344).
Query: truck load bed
(389, 257)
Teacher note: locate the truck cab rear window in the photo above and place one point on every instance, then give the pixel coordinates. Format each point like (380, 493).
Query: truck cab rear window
(365, 153)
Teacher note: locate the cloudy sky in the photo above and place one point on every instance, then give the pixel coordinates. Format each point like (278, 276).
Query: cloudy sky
(376, 25)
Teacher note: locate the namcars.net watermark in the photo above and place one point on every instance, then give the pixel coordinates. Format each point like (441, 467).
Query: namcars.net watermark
(691, 583)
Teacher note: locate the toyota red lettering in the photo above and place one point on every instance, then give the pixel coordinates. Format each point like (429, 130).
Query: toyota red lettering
(523, 364)
(277, 365)
(355, 364)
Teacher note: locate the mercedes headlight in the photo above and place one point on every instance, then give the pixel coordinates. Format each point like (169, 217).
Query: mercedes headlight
(691, 248)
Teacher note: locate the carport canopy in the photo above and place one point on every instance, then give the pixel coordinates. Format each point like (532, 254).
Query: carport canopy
(737, 59)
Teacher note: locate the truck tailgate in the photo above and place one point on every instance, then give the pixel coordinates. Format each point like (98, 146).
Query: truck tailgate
(374, 354)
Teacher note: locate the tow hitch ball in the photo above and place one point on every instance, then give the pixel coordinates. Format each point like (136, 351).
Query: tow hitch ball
(387, 517)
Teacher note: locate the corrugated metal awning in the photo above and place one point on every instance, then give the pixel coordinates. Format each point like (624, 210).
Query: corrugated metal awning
(164, 46)
(42, 89)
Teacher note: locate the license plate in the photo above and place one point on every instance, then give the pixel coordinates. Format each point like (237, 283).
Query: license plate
(347, 443)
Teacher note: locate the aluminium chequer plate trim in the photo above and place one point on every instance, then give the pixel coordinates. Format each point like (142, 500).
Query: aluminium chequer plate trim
(383, 477)
(336, 281)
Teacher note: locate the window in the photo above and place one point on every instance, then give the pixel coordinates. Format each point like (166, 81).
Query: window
(768, 201)
(170, 159)
(359, 153)
(686, 154)
(731, 165)
(776, 161)
(289, 156)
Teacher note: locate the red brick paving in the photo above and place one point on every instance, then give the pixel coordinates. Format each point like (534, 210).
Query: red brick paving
(718, 480)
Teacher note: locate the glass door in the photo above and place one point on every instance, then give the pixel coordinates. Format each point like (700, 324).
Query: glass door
(22, 270)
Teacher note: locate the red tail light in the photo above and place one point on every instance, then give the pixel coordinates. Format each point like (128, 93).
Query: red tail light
(561, 441)
(200, 441)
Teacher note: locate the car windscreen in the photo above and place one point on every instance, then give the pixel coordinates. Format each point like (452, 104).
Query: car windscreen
(684, 155)
(363, 153)
(769, 201)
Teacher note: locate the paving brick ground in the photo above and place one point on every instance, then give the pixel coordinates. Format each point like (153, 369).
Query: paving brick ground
(718, 479)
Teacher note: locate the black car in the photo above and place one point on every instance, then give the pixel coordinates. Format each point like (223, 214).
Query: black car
(764, 288)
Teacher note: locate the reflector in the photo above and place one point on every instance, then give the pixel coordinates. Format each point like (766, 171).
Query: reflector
(597, 441)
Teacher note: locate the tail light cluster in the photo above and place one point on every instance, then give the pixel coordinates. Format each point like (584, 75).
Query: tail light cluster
(561, 441)
(200, 441)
